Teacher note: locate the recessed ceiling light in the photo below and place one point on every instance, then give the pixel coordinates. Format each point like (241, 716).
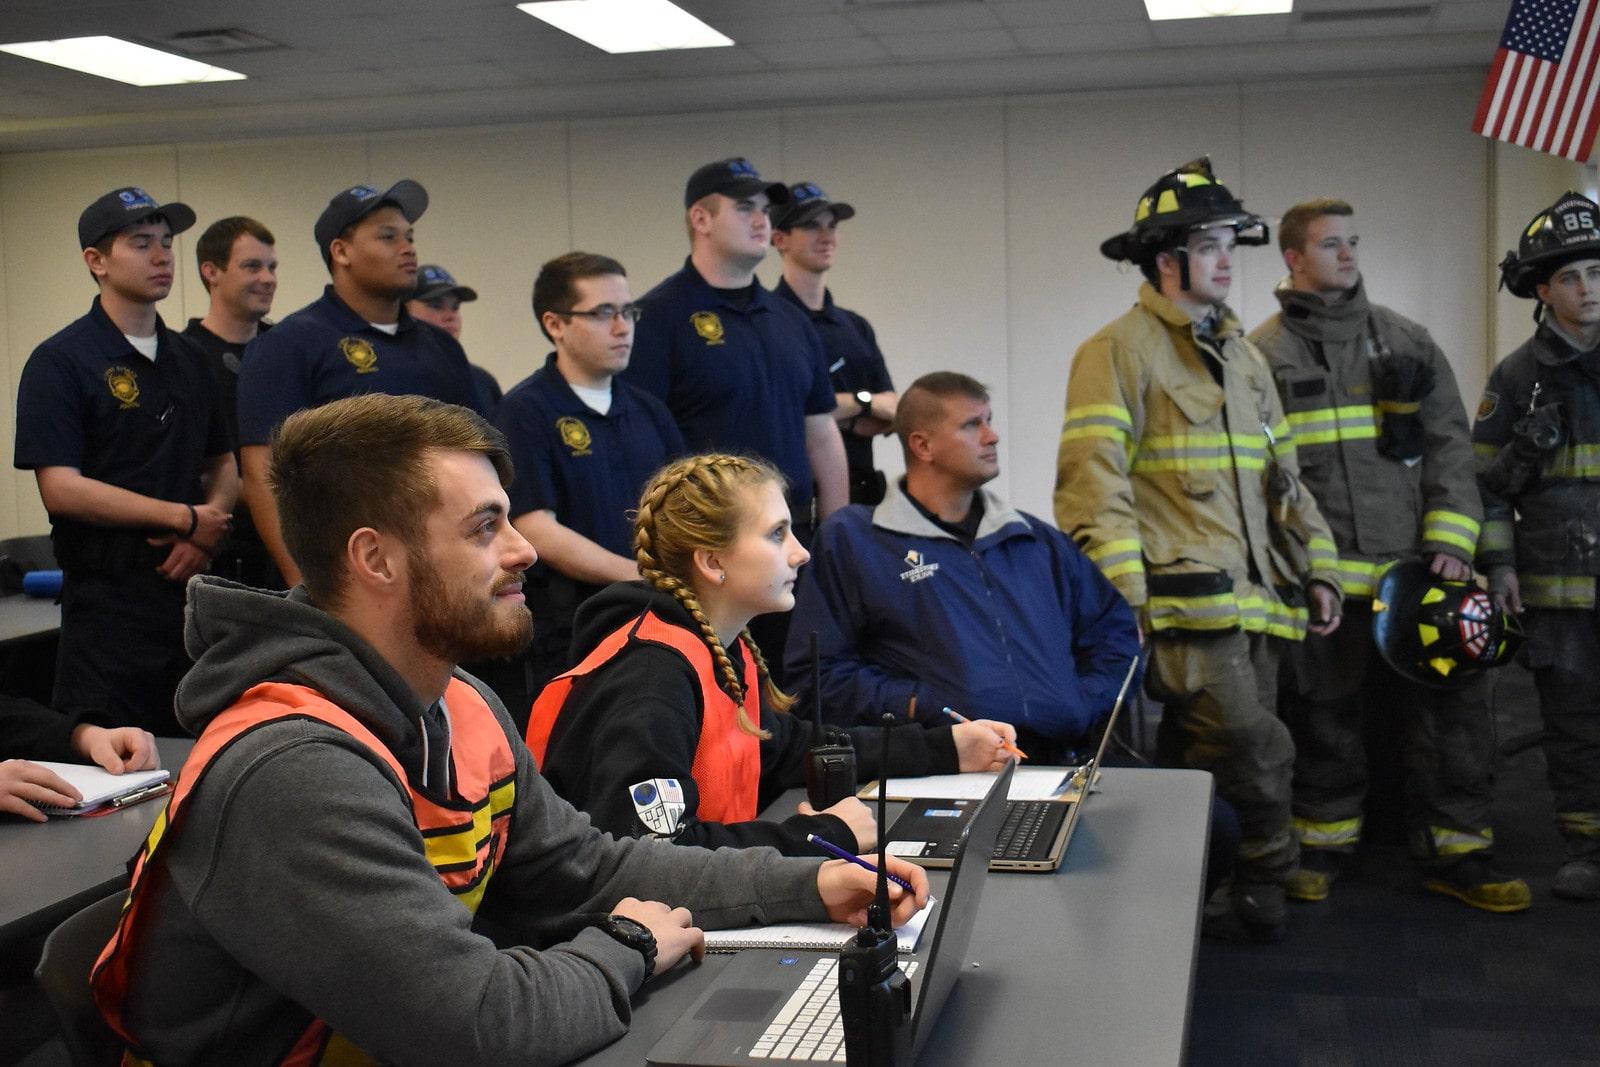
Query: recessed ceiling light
(1161, 10)
(628, 25)
(123, 61)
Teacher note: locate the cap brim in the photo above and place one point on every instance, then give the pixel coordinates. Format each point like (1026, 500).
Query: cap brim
(407, 195)
(179, 216)
(802, 215)
(432, 292)
(777, 192)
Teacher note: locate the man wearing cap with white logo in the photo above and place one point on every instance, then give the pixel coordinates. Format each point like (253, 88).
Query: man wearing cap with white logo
(356, 338)
(119, 421)
(805, 233)
(741, 370)
(437, 300)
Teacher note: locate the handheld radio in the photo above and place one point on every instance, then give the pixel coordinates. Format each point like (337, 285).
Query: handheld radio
(874, 994)
(831, 763)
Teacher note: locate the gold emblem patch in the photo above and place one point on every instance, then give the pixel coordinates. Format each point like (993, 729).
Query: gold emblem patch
(574, 434)
(1488, 405)
(124, 386)
(360, 353)
(708, 326)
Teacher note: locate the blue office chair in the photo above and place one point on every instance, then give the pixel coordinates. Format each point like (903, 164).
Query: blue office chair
(63, 974)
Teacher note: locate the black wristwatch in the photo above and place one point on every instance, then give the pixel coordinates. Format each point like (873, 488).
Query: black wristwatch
(635, 935)
(864, 398)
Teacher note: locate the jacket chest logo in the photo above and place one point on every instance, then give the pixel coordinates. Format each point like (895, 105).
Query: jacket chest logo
(916, 570)
(708, 326)
(360, 354)
(575, 435)
(124, 386)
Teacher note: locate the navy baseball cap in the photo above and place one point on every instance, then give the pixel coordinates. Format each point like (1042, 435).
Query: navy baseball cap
(736, 177)
(121, 208)
(359, 201)
(434, 281)
(806, 202)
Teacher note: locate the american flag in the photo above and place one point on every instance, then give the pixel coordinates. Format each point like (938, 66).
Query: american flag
(1541, 89)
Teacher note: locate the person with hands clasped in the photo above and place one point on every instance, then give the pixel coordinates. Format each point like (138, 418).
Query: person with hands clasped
(670, 724)
(119, 420)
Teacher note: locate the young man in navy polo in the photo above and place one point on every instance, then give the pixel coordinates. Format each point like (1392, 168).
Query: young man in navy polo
(357, 338)
(238, 262)
(120, 422)
(805, 233)
(583, 444)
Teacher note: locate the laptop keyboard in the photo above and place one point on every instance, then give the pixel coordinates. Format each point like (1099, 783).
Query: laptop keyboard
(808, 1026)
(1020, 832)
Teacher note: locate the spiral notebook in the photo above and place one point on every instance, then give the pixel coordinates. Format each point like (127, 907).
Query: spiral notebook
(821, 936)
(100, 787)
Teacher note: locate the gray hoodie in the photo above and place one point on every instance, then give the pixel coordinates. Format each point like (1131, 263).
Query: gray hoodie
(296, 884)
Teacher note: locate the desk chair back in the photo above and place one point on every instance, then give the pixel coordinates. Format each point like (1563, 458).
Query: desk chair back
(63, 974)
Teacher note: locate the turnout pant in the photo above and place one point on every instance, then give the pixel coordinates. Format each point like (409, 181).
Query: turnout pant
(1218, 691)
(1562, 650)
(1333, 683)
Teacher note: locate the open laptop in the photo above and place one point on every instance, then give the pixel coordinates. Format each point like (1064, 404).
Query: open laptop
(1034, 835)
(741, 1018)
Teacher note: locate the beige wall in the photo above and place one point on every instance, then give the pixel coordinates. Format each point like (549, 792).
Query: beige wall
(975, 247)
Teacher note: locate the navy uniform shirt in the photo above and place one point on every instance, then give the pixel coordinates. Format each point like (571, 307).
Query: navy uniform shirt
(736, 379)
(854, 364)
(587, 468)
(88, 399)
(326, 352)
(226, 359)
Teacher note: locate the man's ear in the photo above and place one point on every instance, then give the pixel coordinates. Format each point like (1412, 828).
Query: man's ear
(95, 260)
(917, 445)
(373, 561)
(1292, 258)
(210, 272)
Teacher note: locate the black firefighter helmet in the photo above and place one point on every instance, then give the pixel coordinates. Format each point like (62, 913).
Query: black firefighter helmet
(1181, 202)
(1567, 230)
(1437, 632)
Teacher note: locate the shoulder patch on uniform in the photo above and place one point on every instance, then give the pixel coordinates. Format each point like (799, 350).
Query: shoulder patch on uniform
(659, 804)
(1489, 404)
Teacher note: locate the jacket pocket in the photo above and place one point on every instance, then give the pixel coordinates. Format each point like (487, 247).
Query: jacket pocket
(1199, 402)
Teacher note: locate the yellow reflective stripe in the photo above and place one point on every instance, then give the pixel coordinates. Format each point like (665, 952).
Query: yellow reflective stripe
(1496, 536)
(1108, 412)
(1113, 548)
(1219, 611)
(1116, 558)
(1581, 823)
(1098, 420)
(1557, 590)
(1323, 552)
(1359, 577)
(459, 847)
(1451, 528)
(1448, 842)
(1399, 407)
(1574, 461)
(1338, 834)
(1324, 426)
(1484, 450)
(1219, 463)
(1184, 452)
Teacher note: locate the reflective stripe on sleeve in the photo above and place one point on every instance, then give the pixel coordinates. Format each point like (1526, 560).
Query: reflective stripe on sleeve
(1556, 590)
(1324, 426)
(1116, 558)
(1451, 528)
(1098, 420)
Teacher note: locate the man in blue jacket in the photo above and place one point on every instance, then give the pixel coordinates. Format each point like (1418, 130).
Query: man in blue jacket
(944, 596)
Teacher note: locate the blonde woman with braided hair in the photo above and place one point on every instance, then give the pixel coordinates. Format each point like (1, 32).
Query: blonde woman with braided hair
(671, 724)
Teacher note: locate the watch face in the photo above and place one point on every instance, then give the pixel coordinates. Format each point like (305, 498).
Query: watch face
(865, 398)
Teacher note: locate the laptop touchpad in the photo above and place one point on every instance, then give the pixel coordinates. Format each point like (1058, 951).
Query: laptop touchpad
(739, 1005)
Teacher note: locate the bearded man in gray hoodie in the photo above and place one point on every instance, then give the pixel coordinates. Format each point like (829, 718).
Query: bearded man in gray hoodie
(360, 858)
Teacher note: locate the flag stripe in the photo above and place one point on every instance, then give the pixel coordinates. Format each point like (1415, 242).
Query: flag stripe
(1490, 100)
(1533, 106)
(1580, 141)
(1572, 62)
(1540, 90)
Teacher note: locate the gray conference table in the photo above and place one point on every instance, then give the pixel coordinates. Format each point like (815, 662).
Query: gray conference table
(22, 617)
(53, 870)
(1091, 964)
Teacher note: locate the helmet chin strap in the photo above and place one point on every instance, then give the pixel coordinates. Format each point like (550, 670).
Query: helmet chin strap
(1182, 256)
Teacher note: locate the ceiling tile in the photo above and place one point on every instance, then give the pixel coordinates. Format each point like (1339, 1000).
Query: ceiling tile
(952, 45)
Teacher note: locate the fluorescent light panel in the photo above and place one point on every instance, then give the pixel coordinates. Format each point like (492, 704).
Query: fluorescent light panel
(628, 25)
(123, 61)
(1161, 10)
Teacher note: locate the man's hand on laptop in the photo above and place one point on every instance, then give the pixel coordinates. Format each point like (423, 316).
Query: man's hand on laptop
(846, 890)
(674, 930)
(980, 744)
(856, 815)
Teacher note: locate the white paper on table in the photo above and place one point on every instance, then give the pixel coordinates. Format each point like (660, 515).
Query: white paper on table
(1028, 783)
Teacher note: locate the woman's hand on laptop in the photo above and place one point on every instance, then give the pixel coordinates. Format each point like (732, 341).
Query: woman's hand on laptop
(981, 744)
(847, 889)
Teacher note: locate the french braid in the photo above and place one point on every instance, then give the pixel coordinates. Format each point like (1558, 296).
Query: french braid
(694, 504)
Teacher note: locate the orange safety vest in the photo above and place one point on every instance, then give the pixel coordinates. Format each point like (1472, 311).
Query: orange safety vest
(727, 760)
(464, 838)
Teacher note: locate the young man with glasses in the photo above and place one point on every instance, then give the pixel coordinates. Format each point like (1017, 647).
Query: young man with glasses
(584, 444)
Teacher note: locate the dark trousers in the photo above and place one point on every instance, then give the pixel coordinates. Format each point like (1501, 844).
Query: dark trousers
(1447, 750)
(121, 654)
(1562, 650)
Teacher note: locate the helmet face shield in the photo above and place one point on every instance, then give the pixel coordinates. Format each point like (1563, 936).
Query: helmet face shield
(1566, 231)
(1439, 633)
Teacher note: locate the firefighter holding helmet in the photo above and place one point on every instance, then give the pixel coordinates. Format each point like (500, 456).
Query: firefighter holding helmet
(1537, 440)
(1177, 475)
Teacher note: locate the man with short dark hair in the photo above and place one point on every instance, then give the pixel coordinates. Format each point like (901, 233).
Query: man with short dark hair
(1384, 447)
(805, 231)
(356, 338)
(437, 300)
(119, 421)
(355, 804)
(584, 443)
(238, 265)
(943, 595)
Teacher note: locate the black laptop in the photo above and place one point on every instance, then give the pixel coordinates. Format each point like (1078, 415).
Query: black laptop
(781, 1006)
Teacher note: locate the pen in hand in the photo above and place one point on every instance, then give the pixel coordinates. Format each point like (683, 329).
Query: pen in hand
(1007, 745)
(838, 853)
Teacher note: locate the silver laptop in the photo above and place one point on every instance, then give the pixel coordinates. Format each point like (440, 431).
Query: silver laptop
(781, 1006)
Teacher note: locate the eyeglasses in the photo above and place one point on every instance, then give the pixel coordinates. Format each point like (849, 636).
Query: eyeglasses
(605, 313)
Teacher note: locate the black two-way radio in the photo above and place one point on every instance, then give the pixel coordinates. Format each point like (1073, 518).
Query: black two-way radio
(874, 994)
(831, 763)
